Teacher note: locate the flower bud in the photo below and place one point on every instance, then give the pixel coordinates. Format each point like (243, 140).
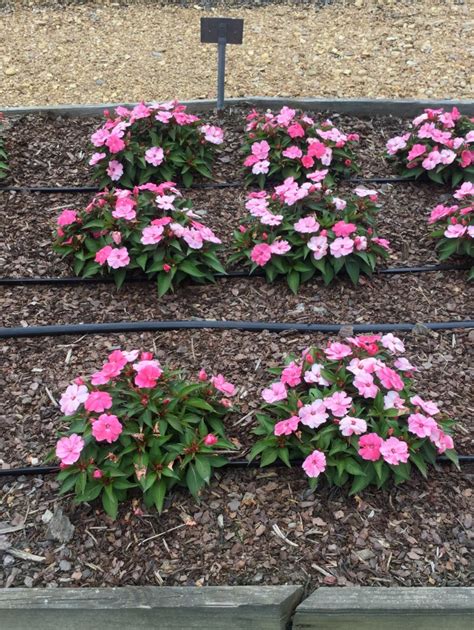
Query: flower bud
(210, 439)
(347, 162)
(146, 356)
(202, 375)
(97, 474)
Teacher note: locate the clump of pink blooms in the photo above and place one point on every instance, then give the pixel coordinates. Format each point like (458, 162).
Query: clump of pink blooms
(151, 229)
(291, 143)
(454, 224)
(303, 229)
(153, 142)
(134, 423)
(440, 144)
(350, 412)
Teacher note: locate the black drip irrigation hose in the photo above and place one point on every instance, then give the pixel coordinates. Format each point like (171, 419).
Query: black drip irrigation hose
(71, 280)
(235, 463)
(199, 324)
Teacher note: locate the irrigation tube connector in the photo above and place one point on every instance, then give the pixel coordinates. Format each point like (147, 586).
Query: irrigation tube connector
(199, 324)
(72, 280)
(236, 463)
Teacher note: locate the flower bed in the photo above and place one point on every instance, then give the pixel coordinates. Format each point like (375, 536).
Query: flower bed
(136, 424)
(454, 225)
(151, 228)
(153, 143)
(440, 146)
(350, 412)
(292, 144)
(300, 231)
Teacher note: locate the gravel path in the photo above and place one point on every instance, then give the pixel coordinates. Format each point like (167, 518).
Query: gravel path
(97, 52)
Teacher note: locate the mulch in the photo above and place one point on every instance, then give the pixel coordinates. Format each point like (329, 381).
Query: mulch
(416, 534)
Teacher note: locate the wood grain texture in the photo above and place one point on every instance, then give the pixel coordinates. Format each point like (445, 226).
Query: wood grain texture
(369, 608)
(166, 608)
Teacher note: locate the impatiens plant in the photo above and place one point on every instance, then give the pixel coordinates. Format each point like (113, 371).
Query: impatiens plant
(149, 229)
(136, 425)
(3, 154)
(291, 144)
(454, 225)
(153, 143)
(300, 231)
(350, 412)
(440, 145)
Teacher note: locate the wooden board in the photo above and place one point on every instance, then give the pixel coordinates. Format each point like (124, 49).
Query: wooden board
(149, 608)
(371, 608)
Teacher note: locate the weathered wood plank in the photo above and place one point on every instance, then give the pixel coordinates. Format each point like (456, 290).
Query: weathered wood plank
(147, 608)
(356, 107)
(370, 608)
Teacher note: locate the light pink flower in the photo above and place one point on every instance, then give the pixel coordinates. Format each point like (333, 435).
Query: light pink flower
(381, 242)
(389, 378)
(114, 143)
(118, 258)
(99, 137)
(466, 190)
(319, 246)
(314, 414)
(338, 403)
(392, 400)
(97, 157)
(280, 247)
(364, 383)
(291, 375)
(222, 385)
(394, 451)
(392, 343)
(337, 351)
(293, 152)
(106, 428)
(286, 427)
(341, 247)
(260, 150)
(73, 398)
(317, 176)
(114, 170)
(67, 217)
(68, 449)
(261, 254)
(352, 426)
(306, 225)
(341, 228)
(152, 235)
(124, 209)
(267, 218)
(362, 191)
(404, 365)
(369, 447)
(193, 238)
(395, 144)
(455, 231)
(314, 464)
(421, 425)
(213, 134)
(428, 406)
(98, 401)
(147, 375)
(441, 440)
(314, 375)
(339, 203)
(154, 156)
(274, 393)
(360, 243)
(261, 167)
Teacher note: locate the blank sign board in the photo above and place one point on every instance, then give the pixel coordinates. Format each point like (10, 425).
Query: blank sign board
(229, 28)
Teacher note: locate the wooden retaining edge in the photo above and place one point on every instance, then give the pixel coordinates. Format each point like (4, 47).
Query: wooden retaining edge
(378, 608)
(356, 107)
(149, 608)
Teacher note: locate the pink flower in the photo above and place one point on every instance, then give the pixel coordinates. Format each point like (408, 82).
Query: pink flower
(428, 406)
(291, 375)
(341, 247)
(337, 351)
(364, 383)
(98, 401)
(467, 158)
(286, 427)
(296, 131)
(152, 235)
(99, 137)
(307, 161)
(395, 144)
(314, 414)
(404, 365)
(222, 385)
(389, 378)
(416, 151)
(455, 231)
(466, 190)
(369, 447)
(319, 246)
(381, 242)
(421, 425)
(210, 439)
(280, 247)
(338, 403)
(274, 393)
(285, 116)
(316, 149)
(314, 375)
(341, 228)
(261, 167)
(115, 143)
(102, 255)
(293, 152)
(154, 156)
(362, 191)
(114, 170)
(97, 474)
(106, 428)
(68, 449)
(261, 254)
(314, 464)
(432, 160)
(118, 258)
(306, 225)
(67, 217)
(213, 134)
(317, 176)
(352, 426)
(394, 451)
(124, 209)
(97, 157)
(392, 343)
(360, 243)
(147, 375)
(73, 398)
(260, 150)
(165, 202)
(441, 440)
(392, 400)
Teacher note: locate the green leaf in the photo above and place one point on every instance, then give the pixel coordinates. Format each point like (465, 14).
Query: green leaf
(193, 480)
(198, 403)
(110, 502)
(164, 282)
(190, 268)
(158, 493)
(203, 468)
(187, 180)
(293, 279)
(353, 270)
(269, 456)
(119, 277)
(453, 457)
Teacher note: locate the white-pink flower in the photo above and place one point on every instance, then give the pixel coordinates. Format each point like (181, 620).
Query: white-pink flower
(118, 257)
(314, 414)
(152, 235)
(428, 406)
(319, 246)
(114, 170)
(352, 426)
(392, 343)
(73, 398)
(306, 225)
(274, 393)
(154, 156)
(261, 167)
(342, 247)
(213, 134)
(314, 375)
